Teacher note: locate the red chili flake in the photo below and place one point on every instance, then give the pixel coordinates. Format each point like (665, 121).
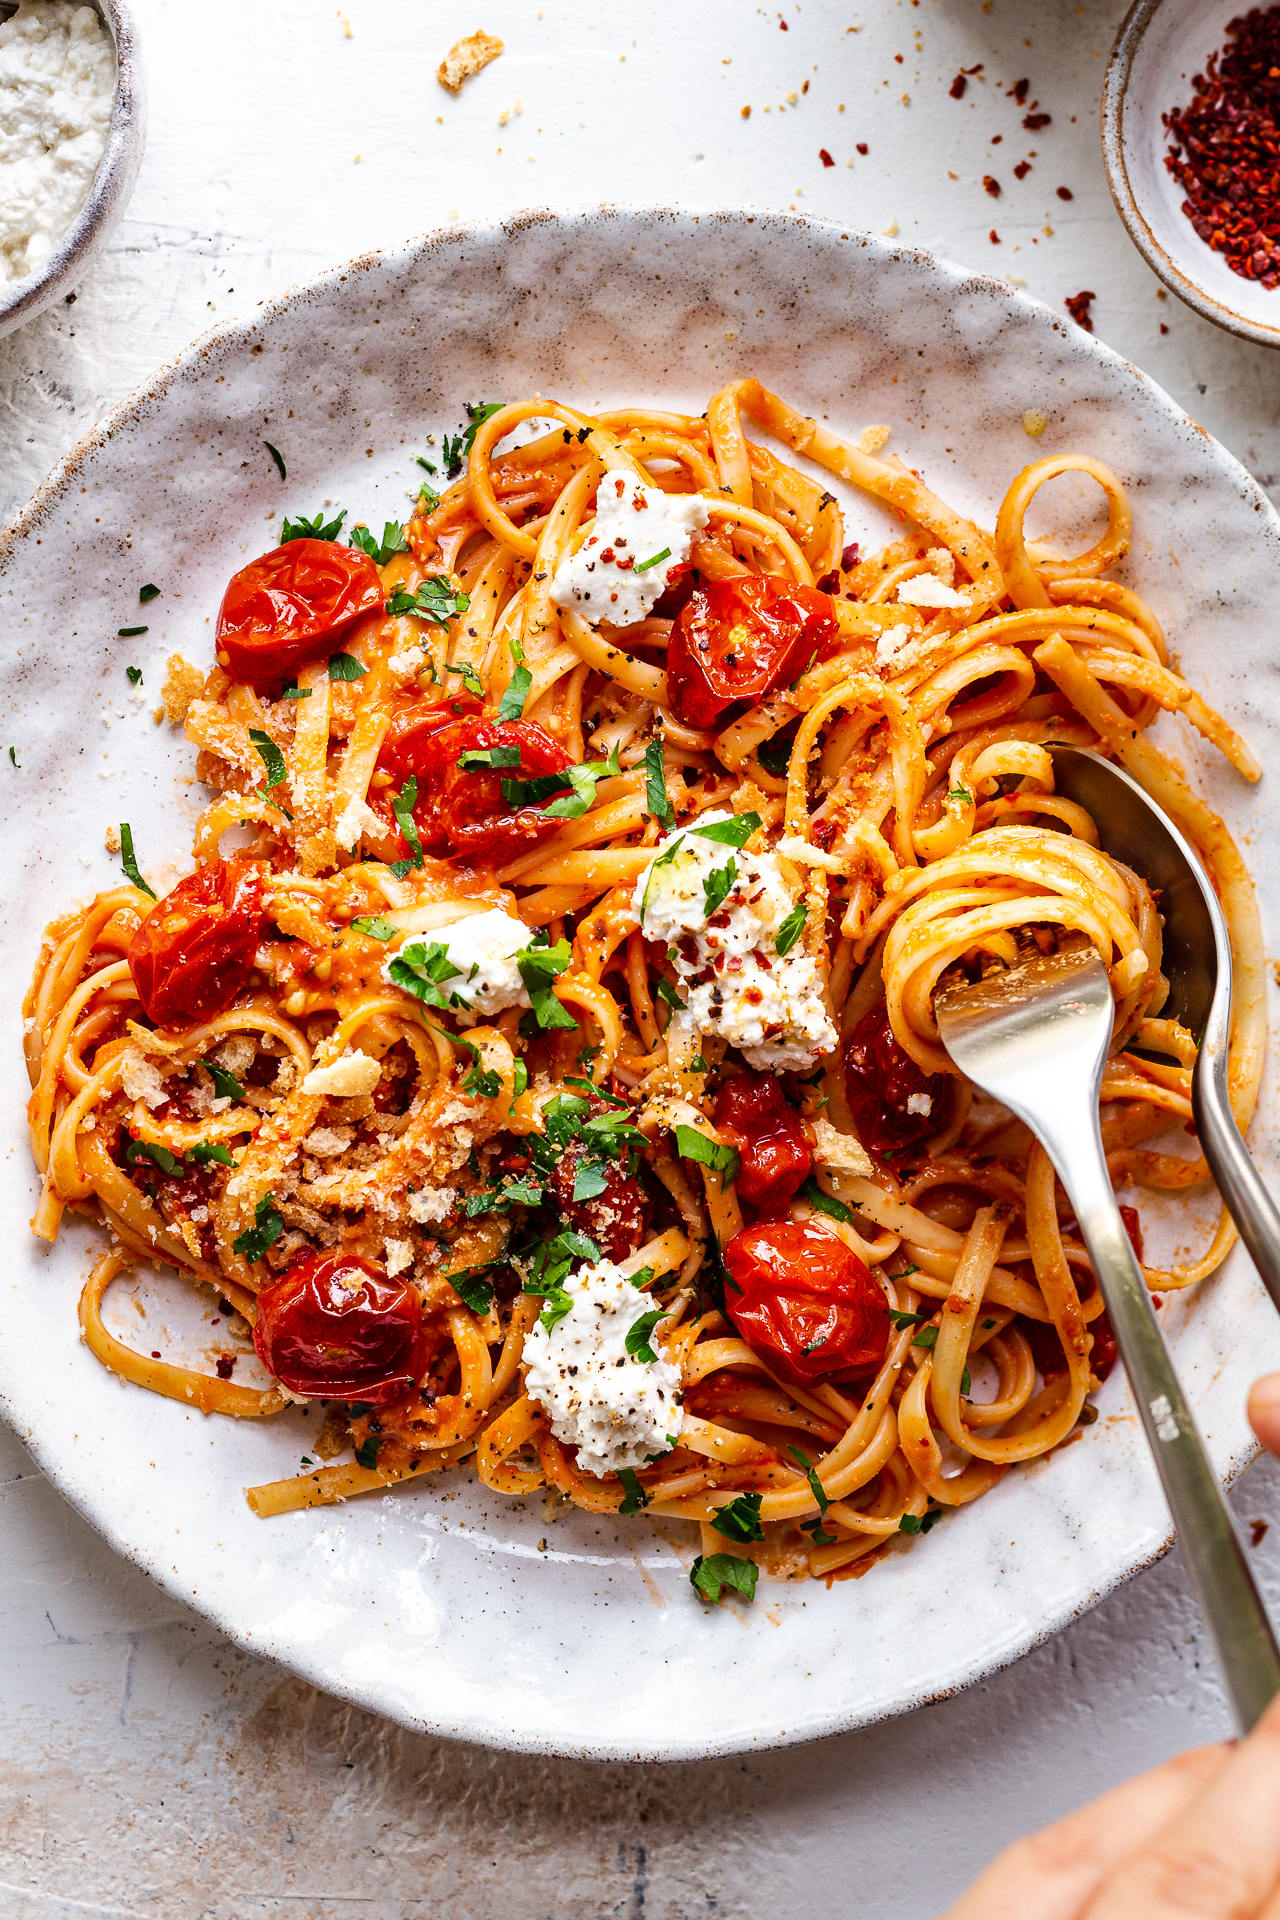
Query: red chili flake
(1065, 193)
(1019, 91)
(977, 69)
(1258, 1531)
(1078, 305)
(849, 558)
(991, 185)
(1022, 169)
(994, 238)
(996, 138)
(862, 146)
(898, 58)
(1034, 121)
(957, 87)
(225, 1364)
(784, 26)
(1225, 149)
(825, 157)
(155, 1356)
(1163, 327)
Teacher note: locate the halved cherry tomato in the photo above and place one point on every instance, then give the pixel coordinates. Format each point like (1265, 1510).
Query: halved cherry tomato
(806, 1303)
(334, 1327)
(752, 1115)
(291, 606)
(460, 810)
(883, 1081)
(194, 951)
(737, 639)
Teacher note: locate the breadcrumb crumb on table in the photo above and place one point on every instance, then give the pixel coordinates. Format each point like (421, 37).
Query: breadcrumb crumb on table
(111, 840)
(182, 682)
(467, 57)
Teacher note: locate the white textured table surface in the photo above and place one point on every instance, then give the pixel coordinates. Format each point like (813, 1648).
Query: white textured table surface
(148, 1768)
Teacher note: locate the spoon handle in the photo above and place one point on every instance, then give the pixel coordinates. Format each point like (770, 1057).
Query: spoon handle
(1229, 1600)
(1237, 1179)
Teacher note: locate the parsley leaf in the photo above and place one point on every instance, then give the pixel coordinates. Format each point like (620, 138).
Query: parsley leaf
(422, 969)
(643, 566)
(379, 551)
(928, 1339)
(569, 806)
(590, 1179)
(538, 967)
(457, 449)
(810, 1472)
(367, 1452)
(823, 1202)
(294, 692)
(730, 833)
(436, 599)
(775, 755)
(159, 1156)
(469, 678)
(375, 927)
(917, 1523)
(316, 529)
(278, 457)
(127, 860)
(655, 782)
(130, 633)
(711, 1576)
(740, 1519)
(789, 931)
(901, 1320)
(511, 705)
(149, 592)
(718, 885)
(345, 666)
(487, 1084)
(402, 805)
(960, 793)
(225, 1085)
(271, 757)
(134, 676)
(206, 1150)
(692, 1145)
(636, 1495)
(664, 990)
(637, 1344)
(479, 759)
(472, 1288)
(266, 1230)
(521, 1192)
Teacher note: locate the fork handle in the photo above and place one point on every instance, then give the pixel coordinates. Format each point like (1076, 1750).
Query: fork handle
(1229, 1600)
(1237, 1179)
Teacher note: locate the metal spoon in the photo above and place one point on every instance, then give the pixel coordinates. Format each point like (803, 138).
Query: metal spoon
(1197, 965)
(1036, 1036)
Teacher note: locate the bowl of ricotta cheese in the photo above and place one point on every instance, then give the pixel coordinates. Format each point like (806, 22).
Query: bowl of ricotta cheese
(72, 130)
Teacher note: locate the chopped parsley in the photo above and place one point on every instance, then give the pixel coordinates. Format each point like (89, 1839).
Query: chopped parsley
(655, 780)
(422, 968)
(316, 529)
(375, 927)
(664, 990)
(134, 676)
(569, 806)
(718, 885)
(488, 759)
(469, 678)
(345, 666)
(521, 1192)
(472, 1288)
(380, 551)
(692, 1145)
(823, 1202)
(637, 1344)
(225, 1084)
(917, 1522)
(402, 805)
(711, 1576)
(149, 592)
(266, 1230)
(960, 793)
(511, 705)
(205, 1151)
(636, 1497)
(643, 566)
(901, 1320)
(740, 1519)
(130, 633)
(457, 449)
(127, 860)
(13, 761)
(159, 1156)
(367, 1452)
(590, 1179)
(278, 457)
(730, 833)
(294, 692)
(271, 757)
(538, 967)
(485, 1083)
(814, 1527)
(775, 755)
(790, 930)
(928, 1339)
(436, 599)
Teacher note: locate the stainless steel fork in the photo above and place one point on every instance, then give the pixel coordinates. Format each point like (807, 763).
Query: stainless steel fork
(1036, 1037)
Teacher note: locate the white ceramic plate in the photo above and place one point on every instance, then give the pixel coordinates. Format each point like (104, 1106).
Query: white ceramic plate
(444, 1607)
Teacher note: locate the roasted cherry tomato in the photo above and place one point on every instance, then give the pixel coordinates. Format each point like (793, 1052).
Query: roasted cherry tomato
(752, 1115)
(194, 951)
(460, 810)
(291, 606)
(739, 638)
(893, 1103)
(806, 1304)
(334, 1327)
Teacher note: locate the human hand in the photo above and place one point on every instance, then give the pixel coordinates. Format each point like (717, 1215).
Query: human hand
(1196, 1839)
(1264, 1411)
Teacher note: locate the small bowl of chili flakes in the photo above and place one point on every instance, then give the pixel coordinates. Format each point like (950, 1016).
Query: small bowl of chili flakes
(1191, 145)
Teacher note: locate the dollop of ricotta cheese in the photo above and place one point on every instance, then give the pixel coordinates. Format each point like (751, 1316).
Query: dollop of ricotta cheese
(768, 1005)
(57, 84)
(618, 1411)
(608, 578)
(483, 948)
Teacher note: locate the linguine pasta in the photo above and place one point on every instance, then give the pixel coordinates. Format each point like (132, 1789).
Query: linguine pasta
(891, 784)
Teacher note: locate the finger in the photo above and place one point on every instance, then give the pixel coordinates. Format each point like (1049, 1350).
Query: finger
(1053, 1874)
(1219, 1858)
(1264, 1411)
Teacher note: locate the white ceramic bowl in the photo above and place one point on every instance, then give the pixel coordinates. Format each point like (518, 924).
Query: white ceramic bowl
(113, 183)
(1160, 45)
(444, 1606)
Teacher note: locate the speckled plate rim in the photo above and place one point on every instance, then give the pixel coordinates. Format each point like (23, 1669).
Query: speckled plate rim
(1115, 91)
(61, 1471)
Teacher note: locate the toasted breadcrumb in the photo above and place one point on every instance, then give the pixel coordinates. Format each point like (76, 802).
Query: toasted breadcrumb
(871, 439)
(467, 57)
(182, 682)
(112, 840)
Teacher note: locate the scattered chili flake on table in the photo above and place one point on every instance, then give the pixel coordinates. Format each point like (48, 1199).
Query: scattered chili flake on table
(1065, 193)
(862, 146)
(994, 237)
(957, 87)
(1019, 91)
(991, 185)
(825, 157)
(1225, 148)
(1034, 121)
(1078, 305)
(1022, 169)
